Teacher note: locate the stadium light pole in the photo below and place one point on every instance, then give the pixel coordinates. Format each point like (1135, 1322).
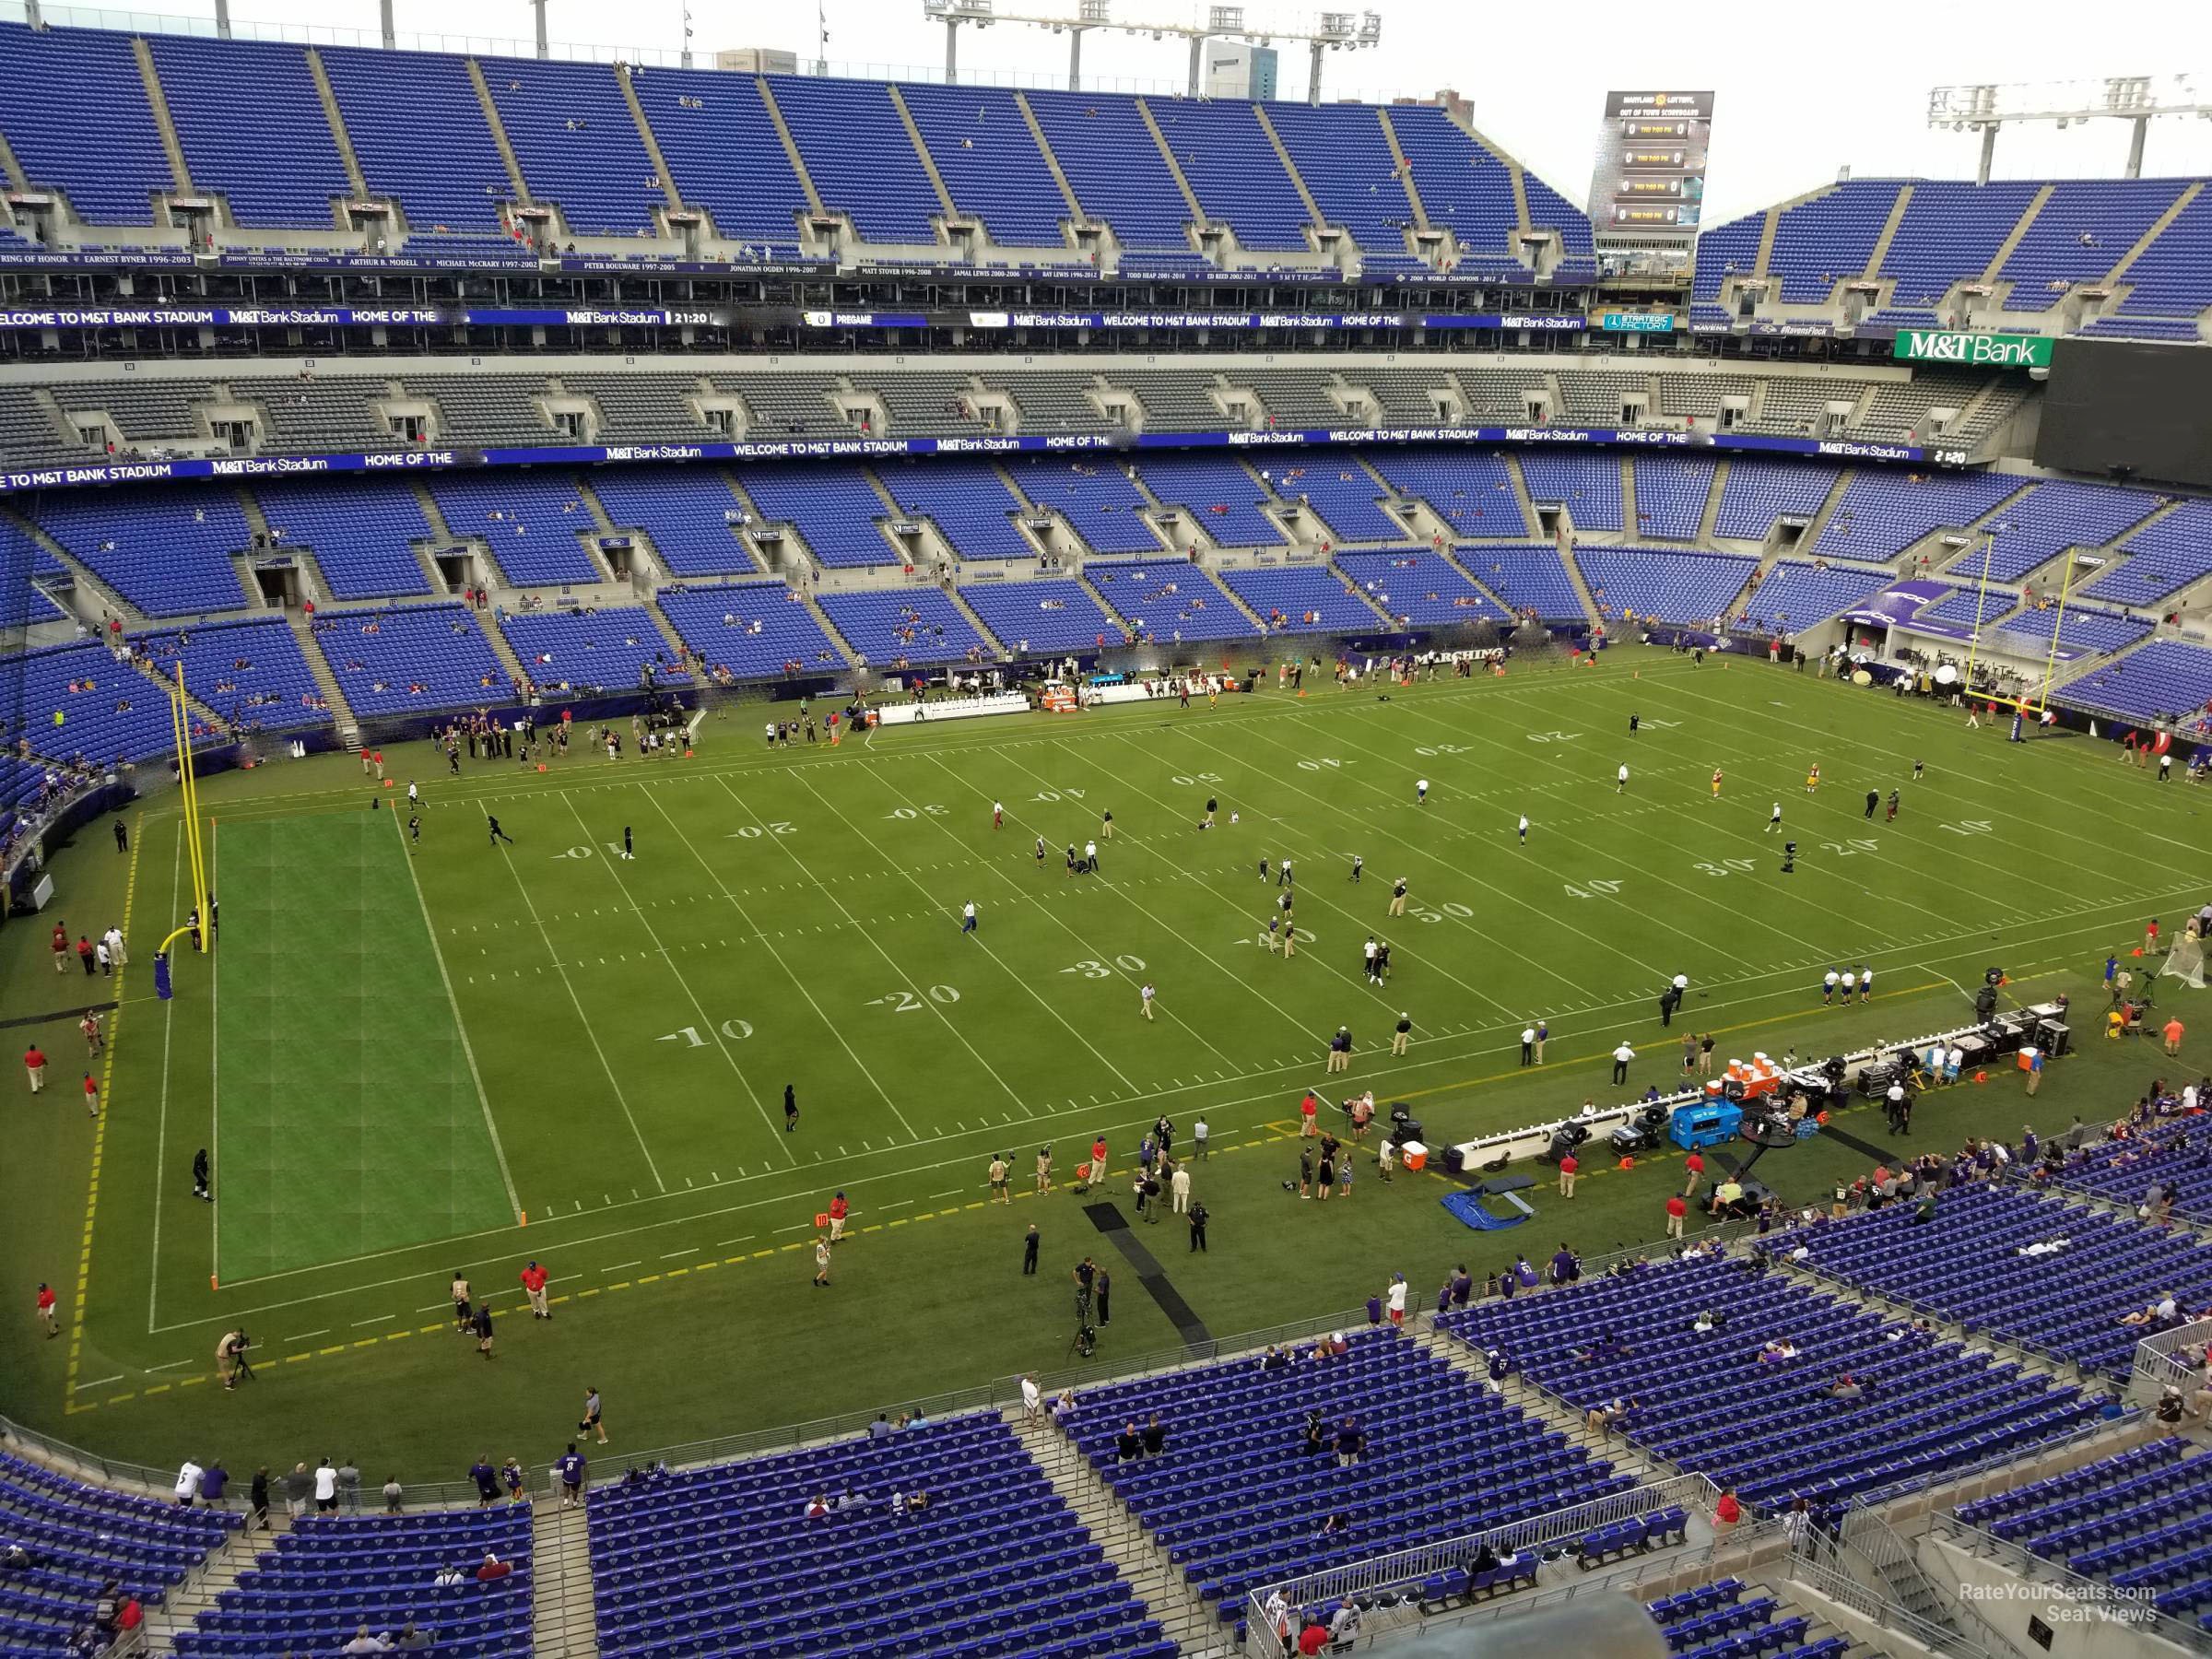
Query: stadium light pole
(384, 17)
(222, 19)
(2137, 99)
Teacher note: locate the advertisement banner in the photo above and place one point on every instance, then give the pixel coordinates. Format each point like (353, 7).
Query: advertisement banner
(1648, 181)
(1637, 322)
(1973, 351)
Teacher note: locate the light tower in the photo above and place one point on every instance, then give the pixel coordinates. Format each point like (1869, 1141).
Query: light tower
(2137, 99)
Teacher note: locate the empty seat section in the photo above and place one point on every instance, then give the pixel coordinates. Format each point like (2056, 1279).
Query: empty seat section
(2174, 276)
(418, 132)
(1671, 493)
(77, 702)
(165, 549)
(360, 531)
(330, 1575)
(76, 117)
(1042, 616)
(2078, 631)
(1827, 240)
(1340, 152)
(530, 523)
(1096, 497)
(1168, 600)
(725, 155)
(1470, 489)
(1234, 1496)
(2086, 227)
(408, 659)
(2162, 557)
(1649, 583)
(1756, 493)
(252, 673)
(990, 162)
(858, 155)
(577, 143)
(750, 630)
(322, 417)
(148, 413)
(1549, 210)
(1303, 600)
(1884, 513)
(2164, 680)
(610, 648)
(1420, 588)
(834, 508)
(2051, 517)
(1707, 1402)
(1724, 251)
(253, 128)
(966, 499)
(1217, 495)
(1465, 187)
(787, 406)
(1114, 168)
(1950, 233)
(1796, 595)
(1968, 1264)
(994, 1561)
(1343, 493)
(913, 627)
(689, 513)
(1587, 483)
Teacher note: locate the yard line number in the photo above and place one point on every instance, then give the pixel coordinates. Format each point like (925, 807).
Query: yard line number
(736, 1031)
(1090, 969)
(909, 1002)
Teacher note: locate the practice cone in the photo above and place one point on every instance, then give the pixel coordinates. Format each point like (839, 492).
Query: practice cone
(1981, 1076)
(1626, 1163)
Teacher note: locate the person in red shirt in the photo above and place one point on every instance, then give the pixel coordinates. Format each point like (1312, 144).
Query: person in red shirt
(84, 954)
(1314, 1639)
(1308, 1112)
(838, 1211)
(493, 1569)
(92, 1096)
(1727, 1512)
(1097, 1158)
(1695, 1164)
(47, 1314)
(534, 1282)
(1570, 1165)
(61, 948)
(34, 1063)
(1677, 1207)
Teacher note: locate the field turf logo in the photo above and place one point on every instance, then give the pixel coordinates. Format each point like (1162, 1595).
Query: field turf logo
(1986, 350)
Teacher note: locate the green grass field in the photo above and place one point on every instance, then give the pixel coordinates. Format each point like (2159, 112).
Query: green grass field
(792, 919)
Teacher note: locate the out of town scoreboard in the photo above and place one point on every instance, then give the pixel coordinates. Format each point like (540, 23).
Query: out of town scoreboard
(1648, 187)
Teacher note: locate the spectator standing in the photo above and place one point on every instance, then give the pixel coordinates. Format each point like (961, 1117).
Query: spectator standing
(349, 1486)
(257, 1499)
(298, 1487)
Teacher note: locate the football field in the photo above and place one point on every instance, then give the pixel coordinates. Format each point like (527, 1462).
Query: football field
(476, 1052)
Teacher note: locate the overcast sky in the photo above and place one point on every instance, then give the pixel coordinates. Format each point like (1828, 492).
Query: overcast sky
(1799, 95)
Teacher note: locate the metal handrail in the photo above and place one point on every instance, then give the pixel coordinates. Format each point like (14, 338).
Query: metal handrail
(1842, 1587)
(1875, 1542)
(2076, 1587)
(2078, 1435)
(1378, 1575)
(2154, 1360)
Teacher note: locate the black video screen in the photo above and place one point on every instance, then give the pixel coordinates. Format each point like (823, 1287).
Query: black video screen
(2129, 404)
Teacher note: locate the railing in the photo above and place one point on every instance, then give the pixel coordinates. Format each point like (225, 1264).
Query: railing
(2154, 1363)
(2079, 1435)
(1104, 1372)
(2116, 1605)
(1842, 1587)
(1406, 1567)
(1892, 1561)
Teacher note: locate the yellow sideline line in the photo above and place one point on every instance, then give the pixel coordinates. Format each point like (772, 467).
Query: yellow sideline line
(100, 1129)
(1275, 1132)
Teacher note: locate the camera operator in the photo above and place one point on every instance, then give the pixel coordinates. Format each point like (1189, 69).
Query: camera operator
(231, 1358)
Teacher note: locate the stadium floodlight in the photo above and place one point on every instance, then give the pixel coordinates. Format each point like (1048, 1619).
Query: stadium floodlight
(2137, 99)
(1225, 19)
(1336, 31)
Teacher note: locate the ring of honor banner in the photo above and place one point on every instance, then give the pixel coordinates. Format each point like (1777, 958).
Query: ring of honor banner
(1649, 182)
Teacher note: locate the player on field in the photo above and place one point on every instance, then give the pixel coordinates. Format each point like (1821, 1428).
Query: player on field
(1212, 806)
(1812, 781)
(413, 831)
(497, 834)
(1421, 792)
(1359, 864)
(1106, 823)
(998, 815)
(1774, 819)
(1892, 818)
(1263, 866)
(1620, 784)
(1367, 952)
(1041, 851)
(1144, 998)
(1522, 833)
(1716, 782)
(1397, 897)
(968, 917)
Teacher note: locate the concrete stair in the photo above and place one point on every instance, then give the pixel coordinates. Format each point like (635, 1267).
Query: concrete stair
(791, 147)
(201, 713)
(435, 517)
(355, 177)
(1167, 153)
(1282, 154)
(562, 1624)
(196, 1595)
(1482, 587)
(1766, 243)
(813, 607)
(510, 664)
(929, 165)
(499, 133)
(1581, 588)
(652, 145)
(341, 712)
(2158, 228)
(681, 652)
(2011, 242)
(1104, 604)
(172, 146)
(1143, 1564)
(11, 168)
(1052, 162)
(1712, 514)
(1889, 235)
(1822, 514)
(1397, 157)
(974, 620)
(1528, 506)
(1631, 525)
